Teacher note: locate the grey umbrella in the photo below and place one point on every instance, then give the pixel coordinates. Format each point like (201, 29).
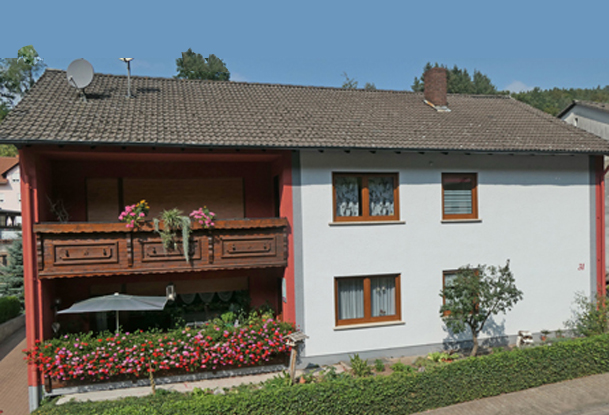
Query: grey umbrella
(117, 302)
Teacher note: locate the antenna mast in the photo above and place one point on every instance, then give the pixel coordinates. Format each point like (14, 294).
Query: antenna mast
(128, 62)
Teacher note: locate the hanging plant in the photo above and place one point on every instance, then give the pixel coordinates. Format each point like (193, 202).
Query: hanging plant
(174, 222)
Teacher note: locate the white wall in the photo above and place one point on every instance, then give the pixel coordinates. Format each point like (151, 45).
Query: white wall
(534, 210)
(588, 119)
(10, 193)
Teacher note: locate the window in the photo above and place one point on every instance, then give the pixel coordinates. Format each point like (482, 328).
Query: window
(448, 279)
(459, 196)
(365, 197)
(369, 299)
(15, 177)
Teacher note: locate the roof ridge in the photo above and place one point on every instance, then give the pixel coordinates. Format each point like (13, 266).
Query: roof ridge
(207, 81)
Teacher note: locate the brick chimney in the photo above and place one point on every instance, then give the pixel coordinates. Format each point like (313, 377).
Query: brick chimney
(435, 81)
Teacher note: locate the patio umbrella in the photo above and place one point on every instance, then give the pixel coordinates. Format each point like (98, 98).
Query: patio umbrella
(117, 302)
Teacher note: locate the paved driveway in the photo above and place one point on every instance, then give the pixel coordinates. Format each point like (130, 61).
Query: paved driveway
(585, 396)
(13, 376)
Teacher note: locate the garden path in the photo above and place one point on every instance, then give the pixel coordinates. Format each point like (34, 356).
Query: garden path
(13, 376)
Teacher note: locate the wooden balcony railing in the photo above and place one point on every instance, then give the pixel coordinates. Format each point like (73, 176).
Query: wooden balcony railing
(104, 249)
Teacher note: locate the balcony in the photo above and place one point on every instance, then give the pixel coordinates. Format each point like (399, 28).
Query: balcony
(108, 249)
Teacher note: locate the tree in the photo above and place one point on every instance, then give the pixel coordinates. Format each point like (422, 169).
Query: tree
(370, 86)
(11, 275)
(17, 76)
(349, 83)
(459, 81)
(194, 66)
(475, 295)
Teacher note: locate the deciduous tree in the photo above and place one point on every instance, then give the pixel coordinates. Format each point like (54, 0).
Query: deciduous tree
(194, 66)
(475, 295)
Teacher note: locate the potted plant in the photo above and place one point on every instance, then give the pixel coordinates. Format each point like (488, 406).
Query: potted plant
(134, 215)
(174, 222)
(544, 335)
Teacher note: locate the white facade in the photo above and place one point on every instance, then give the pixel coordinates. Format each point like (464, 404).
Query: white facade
(537, 211)
(10, 192)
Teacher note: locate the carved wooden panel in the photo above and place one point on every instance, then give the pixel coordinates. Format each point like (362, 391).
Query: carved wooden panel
(153, 250)
(97, 249)
(85, 253)
(244, 246)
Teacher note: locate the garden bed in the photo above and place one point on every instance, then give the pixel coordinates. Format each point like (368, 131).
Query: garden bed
(79, 359)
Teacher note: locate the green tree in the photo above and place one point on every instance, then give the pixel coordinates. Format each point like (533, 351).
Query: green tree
(475, 295)
(555, 100)
(370, 86)
(194, 66)
(17, 76)
(11, 275)
(459, 81)
(349, 83)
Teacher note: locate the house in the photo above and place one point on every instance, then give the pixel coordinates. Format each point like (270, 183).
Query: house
(10, 204)
(594, 118)
(345, 210)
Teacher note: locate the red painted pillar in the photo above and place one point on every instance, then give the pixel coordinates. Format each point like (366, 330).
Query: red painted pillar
(286, 210)
(32, 288)
(600, 227)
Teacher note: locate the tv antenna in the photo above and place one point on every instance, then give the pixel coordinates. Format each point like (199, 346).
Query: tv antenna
(80, 75)
(128, 62)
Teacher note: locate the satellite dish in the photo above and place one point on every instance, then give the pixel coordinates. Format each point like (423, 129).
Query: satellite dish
(80, 73)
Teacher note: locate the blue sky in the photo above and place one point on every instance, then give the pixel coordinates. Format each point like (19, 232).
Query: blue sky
(531, 43)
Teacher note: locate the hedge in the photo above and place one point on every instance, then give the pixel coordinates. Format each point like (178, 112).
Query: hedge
(10, 307)
(399, 393)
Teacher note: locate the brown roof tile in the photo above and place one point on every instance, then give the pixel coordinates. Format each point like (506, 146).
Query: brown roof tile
(233, 114)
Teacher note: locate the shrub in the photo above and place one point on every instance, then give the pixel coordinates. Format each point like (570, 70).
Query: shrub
(401, 367)
(589, 317)
(359, 366)
(400, 393)
(379, 366)
(10, 307)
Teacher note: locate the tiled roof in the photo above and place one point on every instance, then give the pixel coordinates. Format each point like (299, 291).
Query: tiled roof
(601, 106)
(233, 114)
(7, 163)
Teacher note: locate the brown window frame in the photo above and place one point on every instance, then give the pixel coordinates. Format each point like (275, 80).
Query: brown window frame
(451, 271)
(368, 302)
(474, 214)
(365, 198)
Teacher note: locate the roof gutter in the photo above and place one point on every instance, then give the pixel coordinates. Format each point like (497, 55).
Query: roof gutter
(26, 143)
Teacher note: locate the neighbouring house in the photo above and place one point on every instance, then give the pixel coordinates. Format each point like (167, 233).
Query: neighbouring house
(594, 118)
(10, 204)
(344, 210)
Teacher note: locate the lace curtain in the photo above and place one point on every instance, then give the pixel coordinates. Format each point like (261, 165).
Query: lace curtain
(348, 196)
(383, 296)
(380, 191)
(350, 299)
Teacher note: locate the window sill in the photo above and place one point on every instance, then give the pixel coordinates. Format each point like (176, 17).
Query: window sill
(371, 222)
(370, 325)
(461, 221)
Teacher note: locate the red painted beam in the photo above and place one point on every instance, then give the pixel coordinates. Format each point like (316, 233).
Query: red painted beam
(286, 210)
(33, 313)
(600, 228)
